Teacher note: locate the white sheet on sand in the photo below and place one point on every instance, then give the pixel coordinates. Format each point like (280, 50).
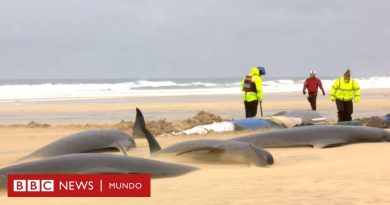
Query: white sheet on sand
(215, 127)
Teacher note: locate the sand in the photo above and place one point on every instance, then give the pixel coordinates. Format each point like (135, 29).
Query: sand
(353, 174)
(175, 108)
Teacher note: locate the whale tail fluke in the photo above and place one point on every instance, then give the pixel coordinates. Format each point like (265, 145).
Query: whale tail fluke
(140, 131)
(153, 144)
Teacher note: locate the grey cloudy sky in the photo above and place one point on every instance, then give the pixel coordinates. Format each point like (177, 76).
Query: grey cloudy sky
(192, 38)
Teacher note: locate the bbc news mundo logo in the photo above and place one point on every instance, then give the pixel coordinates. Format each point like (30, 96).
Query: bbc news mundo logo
(79, 185)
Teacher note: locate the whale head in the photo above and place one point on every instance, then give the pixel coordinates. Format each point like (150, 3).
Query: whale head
(386, 136)
(259, 156)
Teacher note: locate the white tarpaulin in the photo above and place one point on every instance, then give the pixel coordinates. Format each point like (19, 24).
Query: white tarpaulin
(214, 127)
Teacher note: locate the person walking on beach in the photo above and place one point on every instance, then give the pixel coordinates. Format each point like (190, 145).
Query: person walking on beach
(344, 90)
(252, 86)
(311, 84)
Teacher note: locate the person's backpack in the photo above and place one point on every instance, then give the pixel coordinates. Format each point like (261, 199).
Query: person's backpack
(249, 85)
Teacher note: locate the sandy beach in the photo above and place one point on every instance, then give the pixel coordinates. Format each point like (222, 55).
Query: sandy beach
(113, 110)
(352, 174)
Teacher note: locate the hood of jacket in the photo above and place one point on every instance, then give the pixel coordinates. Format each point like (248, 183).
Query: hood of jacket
(254, 71)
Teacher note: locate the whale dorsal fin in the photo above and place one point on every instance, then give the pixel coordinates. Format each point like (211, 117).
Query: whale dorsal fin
(138, 124)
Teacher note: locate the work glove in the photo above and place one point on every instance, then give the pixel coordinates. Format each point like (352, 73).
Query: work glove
(304, 92)
(323, 93)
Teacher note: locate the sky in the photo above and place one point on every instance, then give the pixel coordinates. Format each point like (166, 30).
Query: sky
(94, 39)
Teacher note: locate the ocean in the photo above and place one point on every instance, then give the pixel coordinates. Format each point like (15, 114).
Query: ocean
(44, 90)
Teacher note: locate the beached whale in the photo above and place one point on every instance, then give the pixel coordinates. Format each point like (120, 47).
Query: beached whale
(307, 116)
(95, 163)
(317, 136)
(208, 149)
(84, 142)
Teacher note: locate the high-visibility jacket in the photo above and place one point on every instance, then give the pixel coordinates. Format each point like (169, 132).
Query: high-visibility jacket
(345, 91)
(256, 78)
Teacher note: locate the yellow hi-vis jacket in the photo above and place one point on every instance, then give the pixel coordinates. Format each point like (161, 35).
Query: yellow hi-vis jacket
(256, 78)
(345, 91)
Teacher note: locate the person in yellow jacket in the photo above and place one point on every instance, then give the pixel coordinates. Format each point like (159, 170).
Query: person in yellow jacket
(252, 86)
(344, 90)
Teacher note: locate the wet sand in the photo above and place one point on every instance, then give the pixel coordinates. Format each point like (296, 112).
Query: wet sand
(373, 102)
(352, 174)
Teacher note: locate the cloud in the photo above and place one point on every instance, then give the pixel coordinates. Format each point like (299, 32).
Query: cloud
(203, 38)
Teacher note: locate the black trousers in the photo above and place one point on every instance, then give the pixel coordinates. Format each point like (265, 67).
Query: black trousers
(313, 101)
(251, 108)
(344, 110)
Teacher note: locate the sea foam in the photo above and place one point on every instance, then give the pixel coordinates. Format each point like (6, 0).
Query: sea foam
(87, 90)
